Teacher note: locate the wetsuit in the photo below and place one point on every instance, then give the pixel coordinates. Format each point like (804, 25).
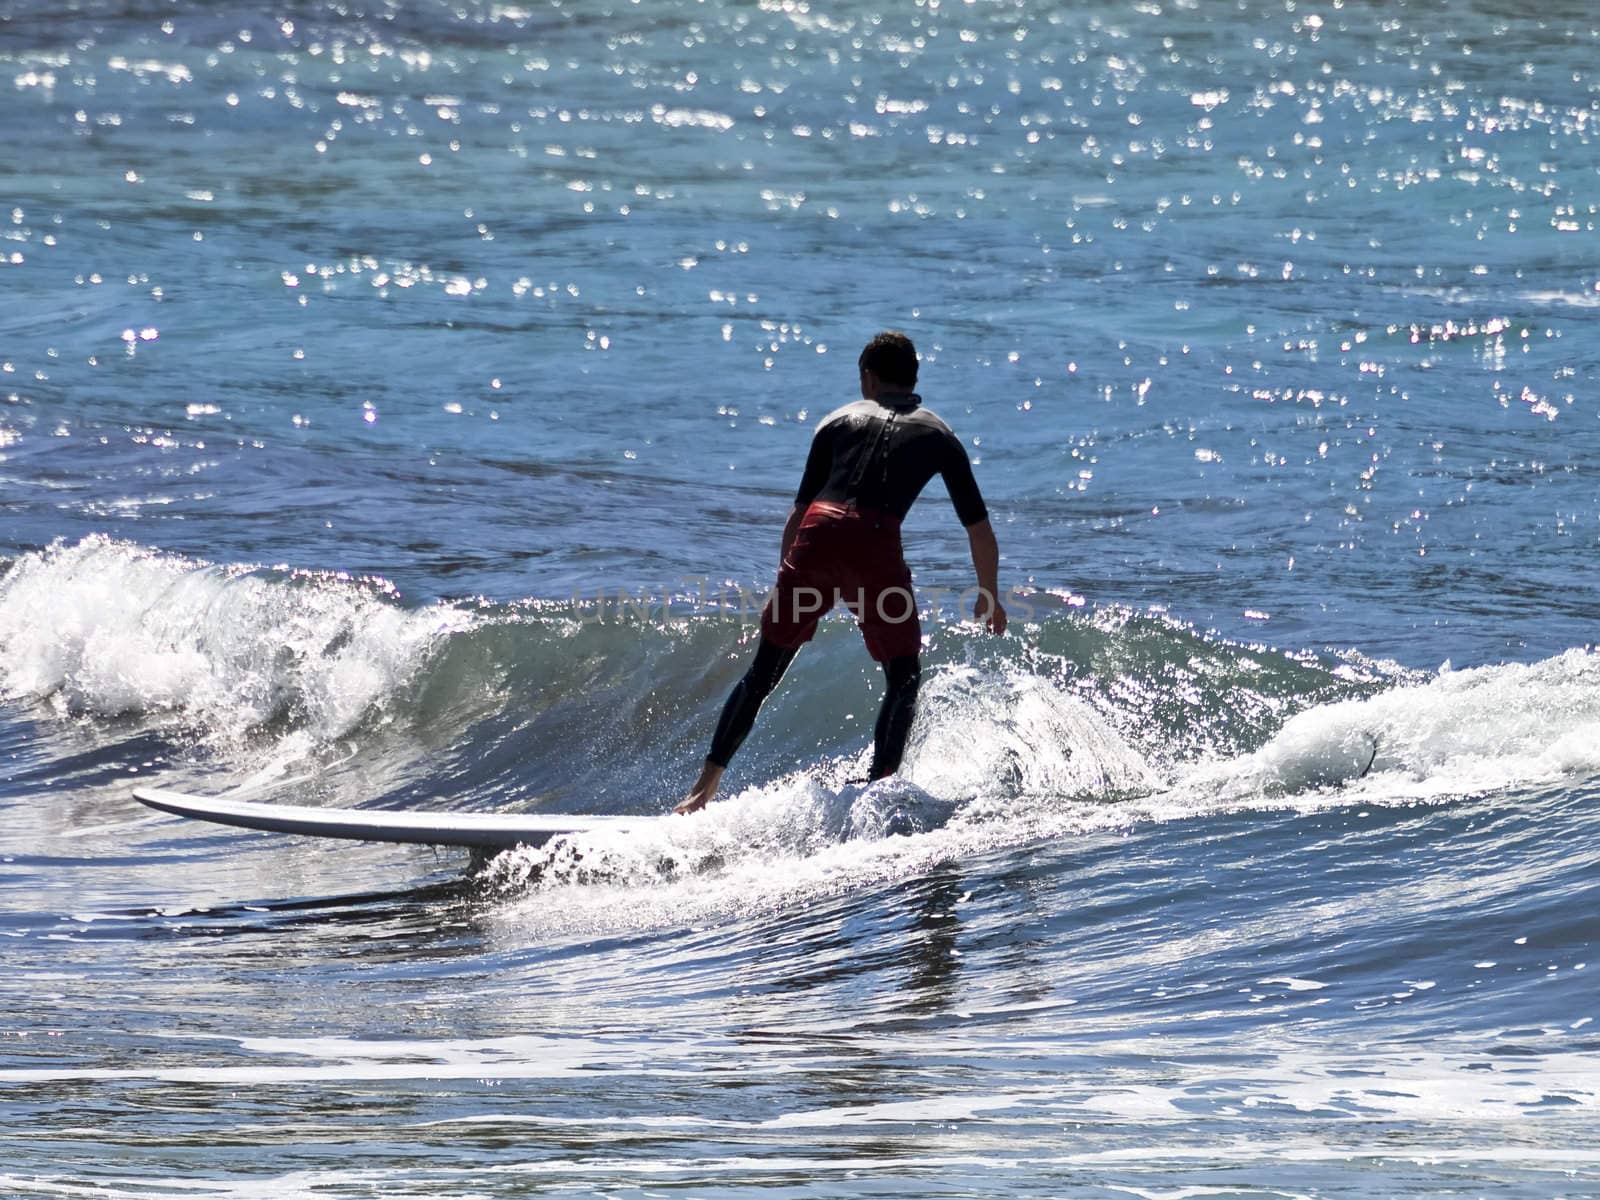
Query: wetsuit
(868, 463)
(880, 455)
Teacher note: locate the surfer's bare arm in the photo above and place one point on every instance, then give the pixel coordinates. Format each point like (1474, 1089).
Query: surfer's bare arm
(986, 561)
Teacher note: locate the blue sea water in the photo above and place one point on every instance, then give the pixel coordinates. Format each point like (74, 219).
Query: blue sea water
(399, 405)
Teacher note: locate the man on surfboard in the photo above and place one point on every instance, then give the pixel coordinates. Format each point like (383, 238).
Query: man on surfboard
(841, 544)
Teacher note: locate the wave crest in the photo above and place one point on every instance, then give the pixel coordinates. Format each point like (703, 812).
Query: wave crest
(110, 628)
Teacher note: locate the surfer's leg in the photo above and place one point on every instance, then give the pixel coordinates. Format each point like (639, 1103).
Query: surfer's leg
(739, 713)
(895, 715)
(738, 716)
(803, 593)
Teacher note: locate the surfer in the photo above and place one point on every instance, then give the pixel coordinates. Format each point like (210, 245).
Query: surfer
(841, 544)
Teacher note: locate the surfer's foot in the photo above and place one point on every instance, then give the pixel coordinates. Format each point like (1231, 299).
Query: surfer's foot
(703, 790)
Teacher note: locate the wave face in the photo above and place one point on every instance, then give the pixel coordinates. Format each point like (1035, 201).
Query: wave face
(1084, 722)
(249, 662)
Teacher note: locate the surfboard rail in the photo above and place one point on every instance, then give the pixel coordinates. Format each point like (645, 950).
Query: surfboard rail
(479, 831)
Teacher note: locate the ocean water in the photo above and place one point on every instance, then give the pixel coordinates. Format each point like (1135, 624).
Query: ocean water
(399, 405)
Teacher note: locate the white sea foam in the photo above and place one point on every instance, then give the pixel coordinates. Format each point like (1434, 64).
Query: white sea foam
(1266, 1081)
(1001, 756)
(1003, 732)
(1460, 733)
(110, 628)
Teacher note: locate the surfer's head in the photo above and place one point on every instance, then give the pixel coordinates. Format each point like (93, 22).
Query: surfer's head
(892, 358)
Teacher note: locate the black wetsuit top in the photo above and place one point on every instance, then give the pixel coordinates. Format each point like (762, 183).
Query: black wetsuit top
(881, 453)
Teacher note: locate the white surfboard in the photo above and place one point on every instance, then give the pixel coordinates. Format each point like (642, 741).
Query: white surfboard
(481, 831)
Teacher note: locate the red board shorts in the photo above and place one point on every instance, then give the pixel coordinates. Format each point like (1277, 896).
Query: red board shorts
(850, 556)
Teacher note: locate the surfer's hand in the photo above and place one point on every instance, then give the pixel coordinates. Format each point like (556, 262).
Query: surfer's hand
(689, 804)
(989, 612)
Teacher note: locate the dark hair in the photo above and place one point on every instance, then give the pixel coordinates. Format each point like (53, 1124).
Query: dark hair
(892, 358)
